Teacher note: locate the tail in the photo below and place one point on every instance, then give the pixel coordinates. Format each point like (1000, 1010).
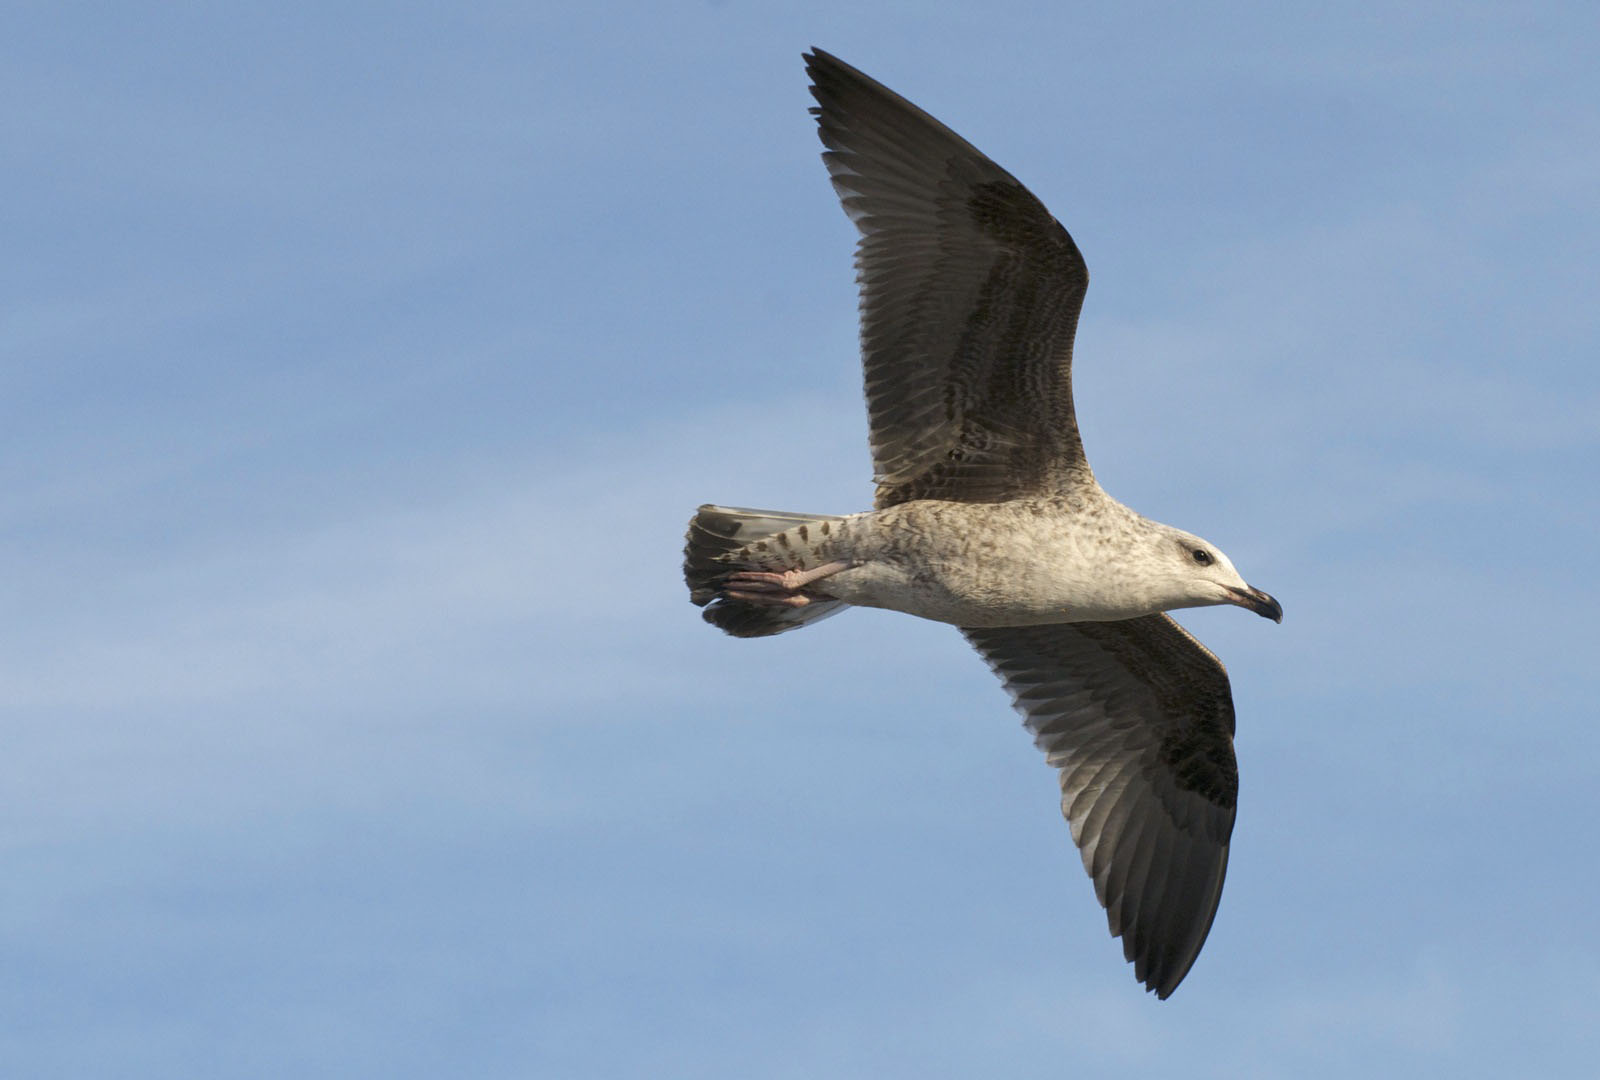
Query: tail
(723, 539)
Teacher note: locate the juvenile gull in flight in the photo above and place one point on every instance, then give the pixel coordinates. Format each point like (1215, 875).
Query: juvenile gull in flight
(988, 517)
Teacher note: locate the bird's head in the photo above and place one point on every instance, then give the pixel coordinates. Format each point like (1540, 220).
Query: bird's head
(1202, 576)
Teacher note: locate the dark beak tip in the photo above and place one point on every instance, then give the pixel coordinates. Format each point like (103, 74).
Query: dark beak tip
(1261, 603)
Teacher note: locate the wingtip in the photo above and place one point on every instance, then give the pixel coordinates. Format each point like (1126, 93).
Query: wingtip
(824, 67)
(813, 59)
(1166, 978)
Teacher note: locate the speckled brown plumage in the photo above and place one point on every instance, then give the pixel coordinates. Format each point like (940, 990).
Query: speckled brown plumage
(987, 516)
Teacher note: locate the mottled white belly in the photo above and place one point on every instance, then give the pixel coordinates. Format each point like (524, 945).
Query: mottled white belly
(1002, 593)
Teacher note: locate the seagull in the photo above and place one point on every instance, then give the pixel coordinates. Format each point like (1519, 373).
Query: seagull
(988, 517)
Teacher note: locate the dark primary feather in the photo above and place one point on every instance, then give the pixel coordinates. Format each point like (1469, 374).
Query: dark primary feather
(1138, 717)
(970, 293)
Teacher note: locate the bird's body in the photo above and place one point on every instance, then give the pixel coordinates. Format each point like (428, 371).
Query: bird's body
(988, 517)
(977, 564)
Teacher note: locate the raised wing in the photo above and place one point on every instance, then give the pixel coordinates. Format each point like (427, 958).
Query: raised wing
(1138, 716)
(970, 293)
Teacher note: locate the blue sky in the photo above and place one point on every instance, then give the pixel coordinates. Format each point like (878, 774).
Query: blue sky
(361, 364)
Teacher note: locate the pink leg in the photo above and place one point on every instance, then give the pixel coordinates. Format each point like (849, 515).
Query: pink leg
(770, 599)
(769, 587)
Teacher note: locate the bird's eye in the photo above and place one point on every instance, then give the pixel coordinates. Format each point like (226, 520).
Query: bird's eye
(1201, 556)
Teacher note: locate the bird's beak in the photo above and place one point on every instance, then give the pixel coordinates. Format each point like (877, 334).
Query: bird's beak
(1259, 602)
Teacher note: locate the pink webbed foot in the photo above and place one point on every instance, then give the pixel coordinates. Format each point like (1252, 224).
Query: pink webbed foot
(783, 589)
